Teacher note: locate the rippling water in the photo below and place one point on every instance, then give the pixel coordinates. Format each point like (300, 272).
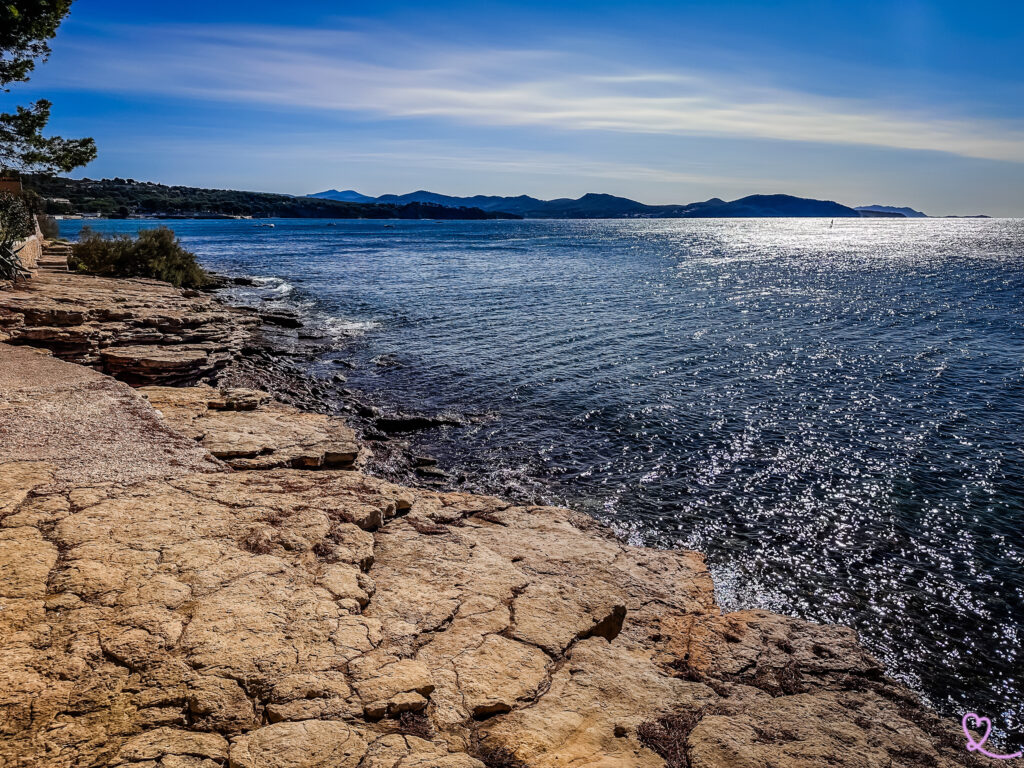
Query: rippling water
(833, 414)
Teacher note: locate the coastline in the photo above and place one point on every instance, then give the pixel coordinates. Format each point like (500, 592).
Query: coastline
(285, 610)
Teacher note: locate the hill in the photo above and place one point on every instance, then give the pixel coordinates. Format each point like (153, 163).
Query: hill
(599, 206)
(906, 211)
(348, 196)
(123, 197)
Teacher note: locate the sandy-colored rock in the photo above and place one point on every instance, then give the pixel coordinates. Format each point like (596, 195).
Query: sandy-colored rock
(307, 744)
(220, 704)
(345, 581)
(399, 751)
(551, 616)
(498, 674)
(162, 742)
(155, 584)
(383, 682)
(20, 477)
(845, 730)
(248, 431)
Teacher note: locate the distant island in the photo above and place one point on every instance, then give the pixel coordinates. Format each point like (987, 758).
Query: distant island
(892, 210)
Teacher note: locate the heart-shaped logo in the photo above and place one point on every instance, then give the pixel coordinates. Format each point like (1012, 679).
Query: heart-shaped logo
(974, 722)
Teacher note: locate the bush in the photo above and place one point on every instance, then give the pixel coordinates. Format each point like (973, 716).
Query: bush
(155, 253)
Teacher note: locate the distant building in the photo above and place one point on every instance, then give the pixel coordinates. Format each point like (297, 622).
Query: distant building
(58, 200)
(11, 185)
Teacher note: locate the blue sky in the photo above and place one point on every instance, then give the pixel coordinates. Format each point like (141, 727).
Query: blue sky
(909, 102)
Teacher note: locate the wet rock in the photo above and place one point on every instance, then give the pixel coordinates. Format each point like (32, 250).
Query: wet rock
(398, 423)
(431, 472)
(282, 318)
(386, 361)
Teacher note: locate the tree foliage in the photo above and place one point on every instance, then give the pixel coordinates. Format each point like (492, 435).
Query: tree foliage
(26, 27)
(23, 145)
(119, 197)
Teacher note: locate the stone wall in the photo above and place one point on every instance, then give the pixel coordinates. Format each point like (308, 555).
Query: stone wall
(31, 248)
(30, 253)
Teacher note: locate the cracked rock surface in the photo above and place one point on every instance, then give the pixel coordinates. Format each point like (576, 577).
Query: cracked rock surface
(161, 610)
(141, 627)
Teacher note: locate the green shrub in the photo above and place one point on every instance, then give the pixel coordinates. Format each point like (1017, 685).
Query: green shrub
(155, 253)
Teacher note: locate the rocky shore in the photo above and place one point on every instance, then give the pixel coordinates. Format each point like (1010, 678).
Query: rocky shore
(193, 577)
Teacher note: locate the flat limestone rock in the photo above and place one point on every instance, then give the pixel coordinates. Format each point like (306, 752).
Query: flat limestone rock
(247, 430)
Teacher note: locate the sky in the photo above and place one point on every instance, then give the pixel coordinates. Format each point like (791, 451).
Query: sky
(907, 102)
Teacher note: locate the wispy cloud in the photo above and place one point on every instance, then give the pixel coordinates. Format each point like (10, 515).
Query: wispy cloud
(384, 77)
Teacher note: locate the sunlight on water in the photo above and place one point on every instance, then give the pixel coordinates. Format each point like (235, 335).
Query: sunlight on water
(834, 413)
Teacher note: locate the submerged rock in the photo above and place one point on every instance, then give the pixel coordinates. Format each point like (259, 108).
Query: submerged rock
(397, 423)
(283, 318)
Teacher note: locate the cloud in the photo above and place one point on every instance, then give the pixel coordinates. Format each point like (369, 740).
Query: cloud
(384, 76)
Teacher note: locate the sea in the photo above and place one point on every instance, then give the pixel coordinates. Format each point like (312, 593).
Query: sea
(831, 411)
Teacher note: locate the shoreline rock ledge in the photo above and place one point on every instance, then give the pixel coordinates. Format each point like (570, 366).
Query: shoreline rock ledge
(161, 609)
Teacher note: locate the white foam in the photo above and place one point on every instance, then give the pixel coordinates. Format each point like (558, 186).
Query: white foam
(274, 285)
(341, 326)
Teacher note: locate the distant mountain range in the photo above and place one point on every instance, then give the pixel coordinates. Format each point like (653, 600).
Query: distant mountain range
(595, 206)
